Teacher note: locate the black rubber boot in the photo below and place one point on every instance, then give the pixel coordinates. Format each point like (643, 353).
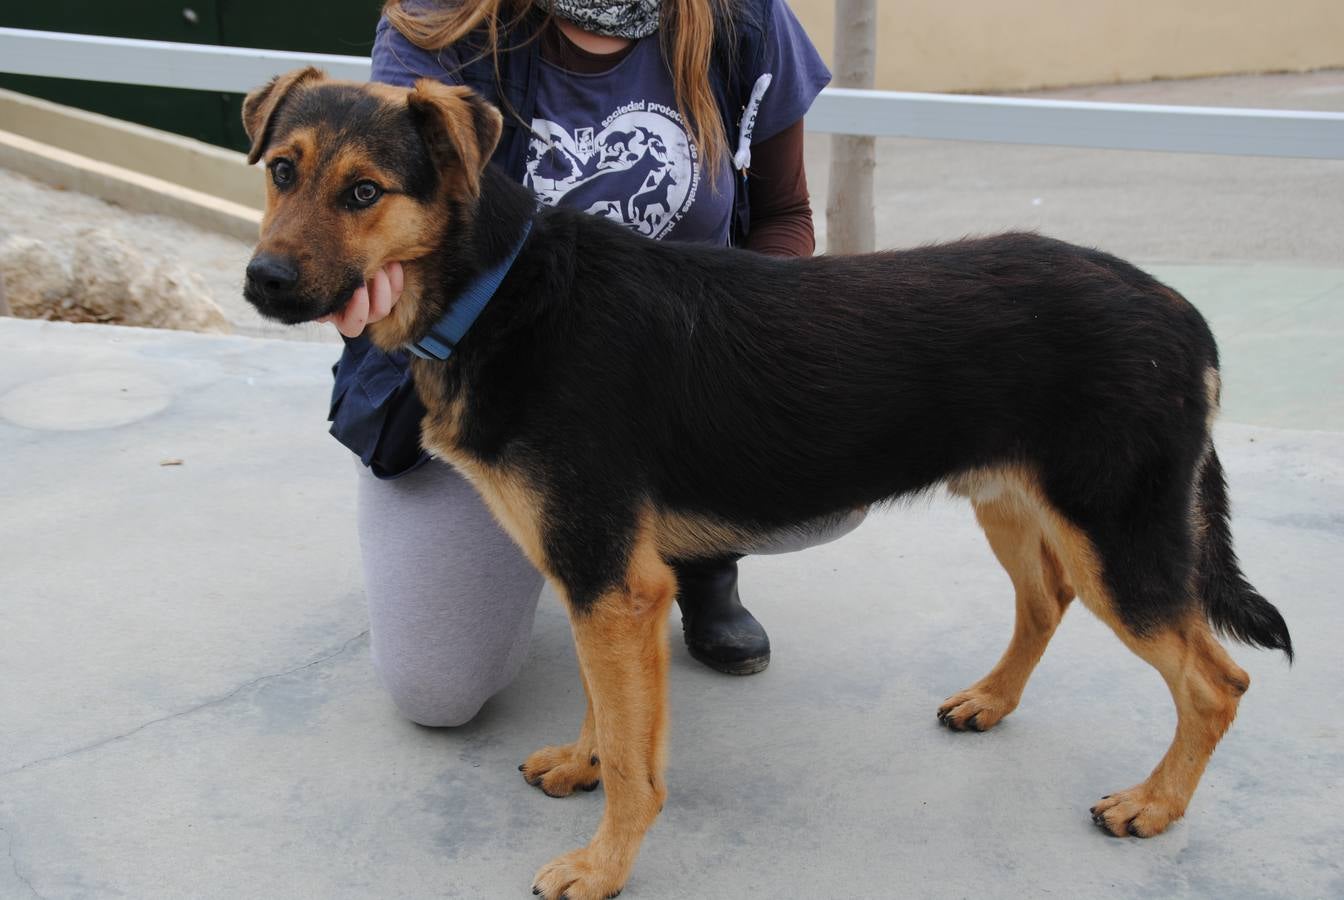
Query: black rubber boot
(719, 631)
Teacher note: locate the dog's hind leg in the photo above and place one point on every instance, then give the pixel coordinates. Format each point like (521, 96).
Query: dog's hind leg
(622, 646)
(1207, 686)
(1205, 683)
(559, 771)
(1043, 593)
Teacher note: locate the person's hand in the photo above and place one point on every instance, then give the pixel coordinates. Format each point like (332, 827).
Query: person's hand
(371, 302)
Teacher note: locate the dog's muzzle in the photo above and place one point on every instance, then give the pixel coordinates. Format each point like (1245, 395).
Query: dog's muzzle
(272, 286)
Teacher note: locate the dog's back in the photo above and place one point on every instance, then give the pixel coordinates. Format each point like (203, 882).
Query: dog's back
(899, 369)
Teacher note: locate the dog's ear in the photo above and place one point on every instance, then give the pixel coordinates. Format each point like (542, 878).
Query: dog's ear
(459, 127)
(260, 106)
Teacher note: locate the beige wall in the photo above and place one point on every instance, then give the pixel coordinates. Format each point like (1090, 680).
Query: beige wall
(997, 45)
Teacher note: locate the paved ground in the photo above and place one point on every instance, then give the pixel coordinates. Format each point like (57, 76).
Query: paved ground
(188, 708)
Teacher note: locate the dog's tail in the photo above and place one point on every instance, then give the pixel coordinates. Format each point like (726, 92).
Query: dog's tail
(1233, 607)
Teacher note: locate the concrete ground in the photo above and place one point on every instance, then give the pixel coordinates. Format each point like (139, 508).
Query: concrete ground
(188, 708)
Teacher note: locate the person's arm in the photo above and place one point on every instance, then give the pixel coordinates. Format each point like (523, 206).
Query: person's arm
(780, 220)
(781, 213)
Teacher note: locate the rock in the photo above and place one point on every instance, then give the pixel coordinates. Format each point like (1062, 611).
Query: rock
(37, 280)
(168, 296)
(108, 280)
(101, 269)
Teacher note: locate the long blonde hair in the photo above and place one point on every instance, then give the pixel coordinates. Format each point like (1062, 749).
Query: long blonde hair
(686, 30)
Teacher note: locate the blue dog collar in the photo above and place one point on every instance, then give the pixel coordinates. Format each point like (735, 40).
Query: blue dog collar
(445, 334)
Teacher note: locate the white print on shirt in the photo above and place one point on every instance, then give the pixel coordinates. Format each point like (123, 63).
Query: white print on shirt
(640, 169)
(742, 158)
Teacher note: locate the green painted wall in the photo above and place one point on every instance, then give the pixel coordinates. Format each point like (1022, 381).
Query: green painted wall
(333, 26)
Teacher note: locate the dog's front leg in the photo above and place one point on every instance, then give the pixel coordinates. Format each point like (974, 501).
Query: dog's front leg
(622, 648)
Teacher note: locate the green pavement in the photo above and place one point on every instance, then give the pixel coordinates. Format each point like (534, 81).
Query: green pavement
(1280, 332)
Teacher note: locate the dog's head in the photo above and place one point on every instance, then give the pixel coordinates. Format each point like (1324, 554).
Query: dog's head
(357, 176)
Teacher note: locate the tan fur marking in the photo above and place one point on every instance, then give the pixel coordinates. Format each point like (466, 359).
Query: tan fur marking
(300, 146)
(1012, 525)
(1213, 389)
(1016, 493)
(398, 229)
(1207, 686)
(395, 228)
(686, 536)
(511, 499)
(509, 495)
(988, 485)
(444, 419)
(400, 326)
(622, 648)
(280, 220)
(1205, 683)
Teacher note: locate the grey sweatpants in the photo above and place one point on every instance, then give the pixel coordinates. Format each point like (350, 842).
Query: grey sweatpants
(451, 597)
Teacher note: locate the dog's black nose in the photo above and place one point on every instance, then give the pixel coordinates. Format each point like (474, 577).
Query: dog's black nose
(272, 274)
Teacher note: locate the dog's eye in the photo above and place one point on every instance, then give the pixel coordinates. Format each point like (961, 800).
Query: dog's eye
(282, 172)
(366, 193)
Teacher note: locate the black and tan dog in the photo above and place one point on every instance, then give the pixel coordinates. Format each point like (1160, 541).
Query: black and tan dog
(622, 402)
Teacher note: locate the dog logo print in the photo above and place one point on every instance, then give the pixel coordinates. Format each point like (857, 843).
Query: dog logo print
(639, 168)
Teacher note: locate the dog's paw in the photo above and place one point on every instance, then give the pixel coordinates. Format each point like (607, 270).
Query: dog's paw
(1138, 812)
(579, 876)
(560, 771)
(974, 709)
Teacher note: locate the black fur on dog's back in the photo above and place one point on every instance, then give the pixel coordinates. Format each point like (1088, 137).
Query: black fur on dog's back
(772, 392)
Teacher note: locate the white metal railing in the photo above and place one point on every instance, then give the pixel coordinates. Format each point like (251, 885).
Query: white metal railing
(1016, 120)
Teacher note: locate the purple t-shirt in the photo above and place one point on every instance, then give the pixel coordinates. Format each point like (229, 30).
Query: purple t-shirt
(614, 144)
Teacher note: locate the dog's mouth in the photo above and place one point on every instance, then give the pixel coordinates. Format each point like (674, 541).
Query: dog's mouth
(296, 306)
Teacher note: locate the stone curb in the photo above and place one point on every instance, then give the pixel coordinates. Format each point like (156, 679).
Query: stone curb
(150, 151)
(132, 190)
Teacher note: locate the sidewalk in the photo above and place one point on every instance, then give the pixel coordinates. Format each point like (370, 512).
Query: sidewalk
(189, 708)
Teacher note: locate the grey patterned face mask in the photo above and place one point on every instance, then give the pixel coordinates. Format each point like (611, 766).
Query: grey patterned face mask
(634, 19)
